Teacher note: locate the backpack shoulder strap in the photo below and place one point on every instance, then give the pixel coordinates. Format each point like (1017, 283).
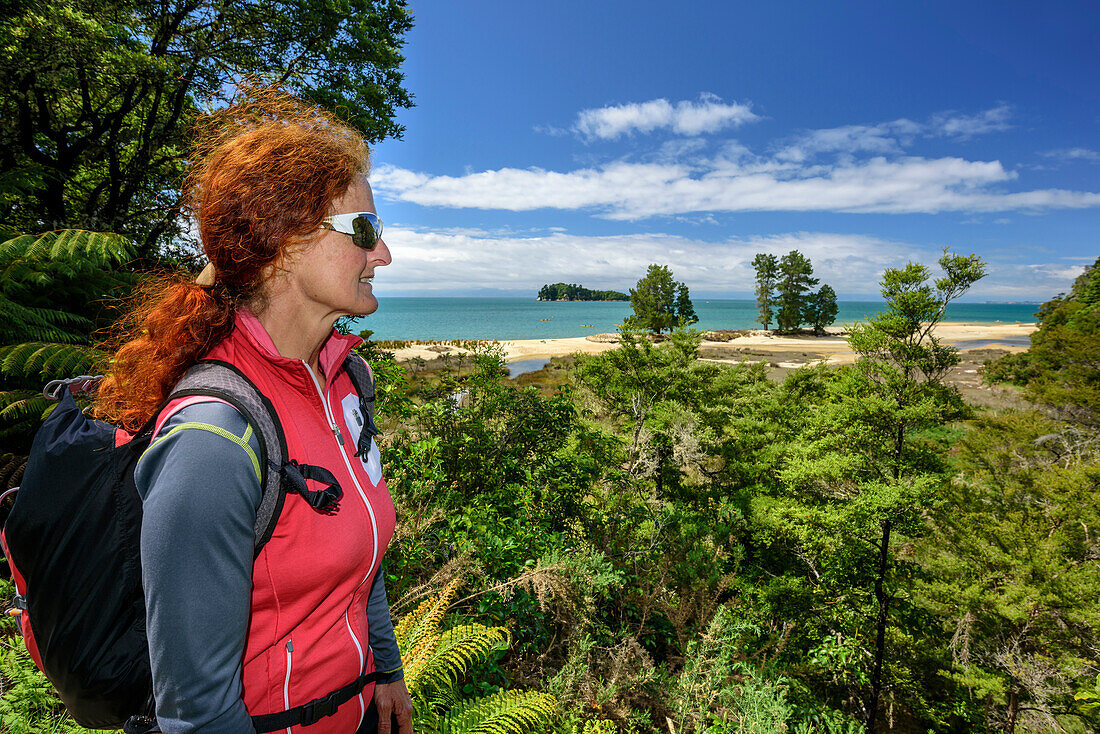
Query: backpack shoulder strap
(363, 380)
(217, 379)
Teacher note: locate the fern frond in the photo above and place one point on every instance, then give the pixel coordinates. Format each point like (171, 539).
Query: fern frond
(11, 470)
(504, 712)
(17, 406)
(425, 619)
(442, 699)
(459, 649)
(102, 249)
(416, 662)
(435, 662)
(19, 323)
(35, 361)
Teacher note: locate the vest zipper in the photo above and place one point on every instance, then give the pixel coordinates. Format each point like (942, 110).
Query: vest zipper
(286, 681)
(366, 503)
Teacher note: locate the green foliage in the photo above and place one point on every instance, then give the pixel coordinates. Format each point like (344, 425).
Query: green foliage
(767, 273)
(865, 467)
(659, 302)
(794, 280)
(634, 380)
(1062, 367)
(783, 291)
(51, 284)
(820, 309)
(29, 704)
(503, 712)
(670, 539)
(717, 693)
(685, 311)
(99, 96)
(574, 292)
(1091, 698)
(494, 476)
(56, 291)
(436, 662)
(1010, 568)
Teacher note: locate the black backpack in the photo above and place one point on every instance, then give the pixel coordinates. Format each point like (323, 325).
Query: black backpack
(72, 541)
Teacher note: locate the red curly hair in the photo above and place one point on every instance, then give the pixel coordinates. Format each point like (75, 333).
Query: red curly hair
(264, 173)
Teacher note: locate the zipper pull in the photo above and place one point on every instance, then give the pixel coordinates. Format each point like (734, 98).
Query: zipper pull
(336, 432)
(290, 645)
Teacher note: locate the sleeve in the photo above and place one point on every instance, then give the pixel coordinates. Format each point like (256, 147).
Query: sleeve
(200, 485)
(387, 658)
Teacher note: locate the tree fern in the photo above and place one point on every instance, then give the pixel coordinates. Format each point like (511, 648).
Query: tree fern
(25, 323)
(21, 412)
(39, 363)
(71, 247)
(437, 661)
(56, 290)
(67, 270)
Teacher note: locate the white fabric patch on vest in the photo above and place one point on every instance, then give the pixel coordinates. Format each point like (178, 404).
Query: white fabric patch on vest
(355, 420)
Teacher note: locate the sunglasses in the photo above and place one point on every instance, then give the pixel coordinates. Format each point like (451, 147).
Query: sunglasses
(365, 228)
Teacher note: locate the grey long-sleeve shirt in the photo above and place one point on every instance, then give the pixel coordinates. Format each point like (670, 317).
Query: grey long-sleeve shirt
(200, 486)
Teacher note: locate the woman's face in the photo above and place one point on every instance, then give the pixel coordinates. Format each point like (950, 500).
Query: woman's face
(331, 275)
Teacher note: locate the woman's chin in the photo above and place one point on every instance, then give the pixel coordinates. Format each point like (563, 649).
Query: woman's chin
(368, 304)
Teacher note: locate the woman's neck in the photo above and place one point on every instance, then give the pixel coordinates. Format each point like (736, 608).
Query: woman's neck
(294, 334)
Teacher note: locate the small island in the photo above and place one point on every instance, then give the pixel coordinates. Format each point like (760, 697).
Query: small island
(574, 292)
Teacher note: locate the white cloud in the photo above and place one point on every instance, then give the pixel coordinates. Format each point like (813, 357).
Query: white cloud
(1071, 154)
(886, 138)
(635, 191)
(868, 171)
(426, 261)
(883, 138)
(966, 126)
(709, 114)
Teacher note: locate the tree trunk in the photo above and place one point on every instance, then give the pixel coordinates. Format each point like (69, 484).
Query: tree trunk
(1013, 707)
(883, 601)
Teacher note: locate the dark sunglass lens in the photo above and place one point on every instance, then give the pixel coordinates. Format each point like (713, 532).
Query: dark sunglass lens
(364, 235)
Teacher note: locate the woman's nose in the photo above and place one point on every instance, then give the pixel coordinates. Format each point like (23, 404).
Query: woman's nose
(381, 253)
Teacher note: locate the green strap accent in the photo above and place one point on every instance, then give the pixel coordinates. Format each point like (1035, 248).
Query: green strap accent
(241, 441)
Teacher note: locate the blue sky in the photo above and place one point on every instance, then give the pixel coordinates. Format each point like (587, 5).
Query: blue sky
(580, 142)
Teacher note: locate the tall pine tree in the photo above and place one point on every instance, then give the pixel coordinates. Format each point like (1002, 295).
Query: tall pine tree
(660, 303)
(820, 309)
(767, 271)
(795, 279)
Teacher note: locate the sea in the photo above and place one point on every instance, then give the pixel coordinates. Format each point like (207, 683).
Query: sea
(504, 319)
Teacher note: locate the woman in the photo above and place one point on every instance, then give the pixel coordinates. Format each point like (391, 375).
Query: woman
(288, 222)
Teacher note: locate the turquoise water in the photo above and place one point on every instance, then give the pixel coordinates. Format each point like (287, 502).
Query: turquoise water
(526, 318)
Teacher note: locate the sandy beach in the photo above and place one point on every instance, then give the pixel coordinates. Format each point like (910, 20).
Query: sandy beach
(833, 347)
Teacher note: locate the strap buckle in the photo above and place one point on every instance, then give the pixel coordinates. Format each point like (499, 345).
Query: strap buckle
(319, 708)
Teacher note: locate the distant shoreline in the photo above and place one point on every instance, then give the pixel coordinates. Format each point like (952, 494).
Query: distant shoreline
(512, 318)
(832, 347)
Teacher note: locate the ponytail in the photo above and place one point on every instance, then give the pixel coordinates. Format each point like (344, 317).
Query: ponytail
(174, 324)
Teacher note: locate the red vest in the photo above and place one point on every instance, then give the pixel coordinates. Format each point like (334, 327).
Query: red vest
(308, 630)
